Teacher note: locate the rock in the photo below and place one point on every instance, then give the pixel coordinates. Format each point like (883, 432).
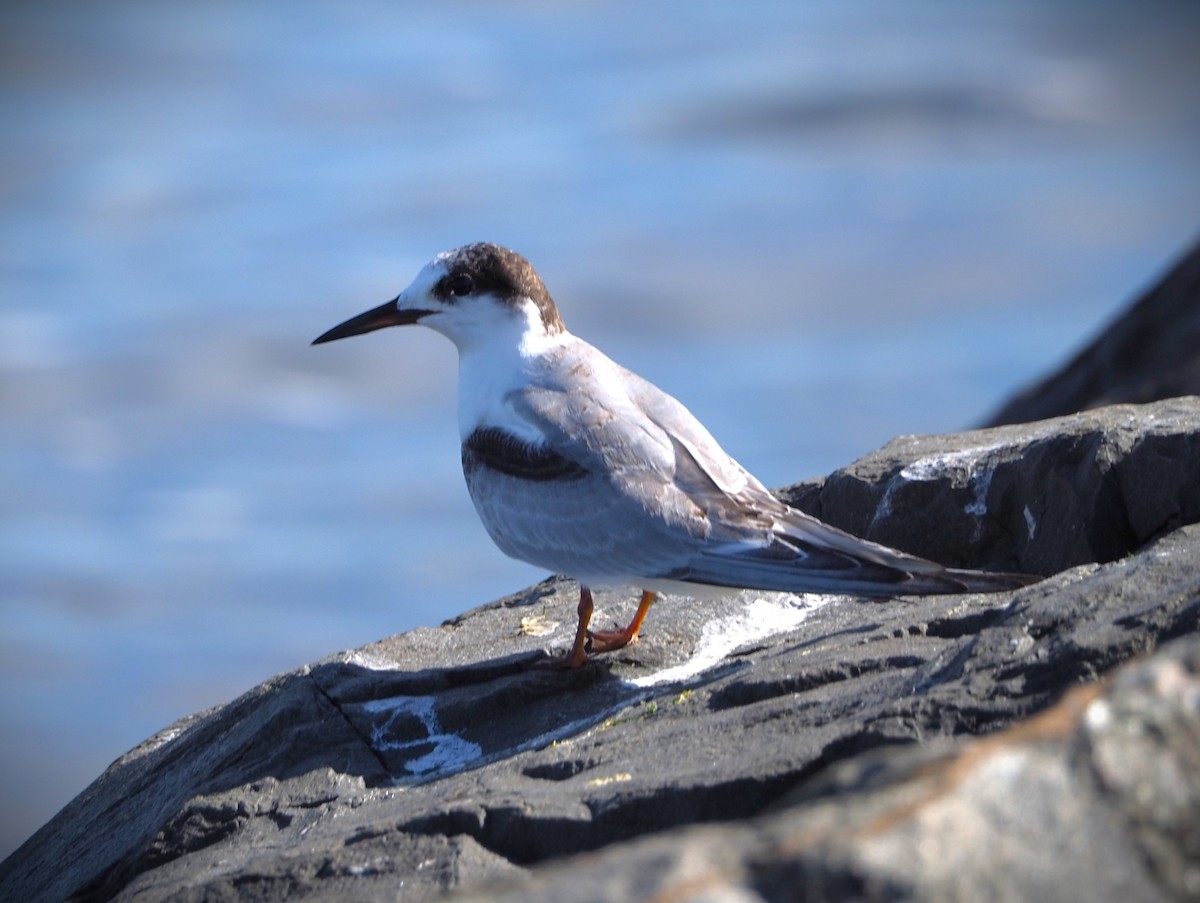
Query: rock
(1092, 799)
(1040, 743)
(1150, 352)
(1037, 497)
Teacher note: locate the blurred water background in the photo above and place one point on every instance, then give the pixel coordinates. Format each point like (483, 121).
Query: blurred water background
(820, 224)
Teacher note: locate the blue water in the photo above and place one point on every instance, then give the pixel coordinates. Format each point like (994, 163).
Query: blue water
(819, 224)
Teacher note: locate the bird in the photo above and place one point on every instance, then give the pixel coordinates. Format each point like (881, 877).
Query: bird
(580, 466)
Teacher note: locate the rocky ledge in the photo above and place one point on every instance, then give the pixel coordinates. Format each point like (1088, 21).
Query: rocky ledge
(1037, 744)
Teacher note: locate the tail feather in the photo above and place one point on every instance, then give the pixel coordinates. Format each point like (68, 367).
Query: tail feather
(806, 555)
(854, 578)
(989, 581)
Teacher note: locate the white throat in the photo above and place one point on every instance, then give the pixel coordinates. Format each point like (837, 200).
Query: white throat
(497, 355)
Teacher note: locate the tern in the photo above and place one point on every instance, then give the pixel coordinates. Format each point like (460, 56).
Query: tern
(584, 468)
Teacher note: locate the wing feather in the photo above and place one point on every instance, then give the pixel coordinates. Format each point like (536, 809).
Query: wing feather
(655, 496)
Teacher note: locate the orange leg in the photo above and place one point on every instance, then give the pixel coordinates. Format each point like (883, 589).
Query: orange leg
(578, 656)
(608, 640)
(601, 641)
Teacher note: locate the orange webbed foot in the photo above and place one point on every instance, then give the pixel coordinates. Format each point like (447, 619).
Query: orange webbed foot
(601, 640)
(610, 640)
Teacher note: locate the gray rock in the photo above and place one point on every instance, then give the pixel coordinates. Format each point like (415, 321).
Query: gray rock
(1037, 497)
(1092, 799)
(1150, 352)
(761, 746)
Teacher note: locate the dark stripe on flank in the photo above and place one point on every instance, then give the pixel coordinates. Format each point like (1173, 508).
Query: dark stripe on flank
(497, 450)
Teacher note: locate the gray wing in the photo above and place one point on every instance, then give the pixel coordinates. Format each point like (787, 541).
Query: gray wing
(700, 516)
(649, 447)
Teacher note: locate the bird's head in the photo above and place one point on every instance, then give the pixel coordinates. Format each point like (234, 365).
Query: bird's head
(469, 295)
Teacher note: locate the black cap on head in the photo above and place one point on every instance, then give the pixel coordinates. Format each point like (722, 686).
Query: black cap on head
(486, 268)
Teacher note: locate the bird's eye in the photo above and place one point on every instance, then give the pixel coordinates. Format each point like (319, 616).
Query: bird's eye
(460, 284)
